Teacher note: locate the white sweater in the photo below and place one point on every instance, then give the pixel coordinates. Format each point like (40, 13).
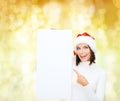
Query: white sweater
(95, 90)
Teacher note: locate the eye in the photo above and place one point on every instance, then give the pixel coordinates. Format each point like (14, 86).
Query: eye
(86, 47)
(77, 48)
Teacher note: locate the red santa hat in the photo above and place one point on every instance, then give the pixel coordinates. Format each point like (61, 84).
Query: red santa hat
(86, 38)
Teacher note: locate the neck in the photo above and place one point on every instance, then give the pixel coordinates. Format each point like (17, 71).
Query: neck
(85, 62)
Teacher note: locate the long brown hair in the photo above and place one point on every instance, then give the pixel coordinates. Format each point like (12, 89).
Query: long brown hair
(92, 58)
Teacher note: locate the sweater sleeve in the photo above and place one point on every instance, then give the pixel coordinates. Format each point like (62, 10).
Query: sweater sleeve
(100, 89)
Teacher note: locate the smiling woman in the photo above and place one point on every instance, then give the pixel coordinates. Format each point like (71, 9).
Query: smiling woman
(21, 19)
(88, 79)
(83, 52)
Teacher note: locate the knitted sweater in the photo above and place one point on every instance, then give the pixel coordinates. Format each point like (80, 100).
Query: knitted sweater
(96, 77)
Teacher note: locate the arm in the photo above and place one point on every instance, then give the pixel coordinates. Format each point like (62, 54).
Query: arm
(100, 89)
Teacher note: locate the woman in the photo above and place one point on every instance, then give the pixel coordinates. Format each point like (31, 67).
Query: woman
(88, 80)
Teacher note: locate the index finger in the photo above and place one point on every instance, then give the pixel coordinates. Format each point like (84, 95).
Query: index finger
(76, 71)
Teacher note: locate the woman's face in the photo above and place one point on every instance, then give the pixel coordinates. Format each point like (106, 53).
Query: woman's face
(83, 52)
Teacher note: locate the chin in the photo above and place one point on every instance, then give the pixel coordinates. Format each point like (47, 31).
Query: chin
(84, 60)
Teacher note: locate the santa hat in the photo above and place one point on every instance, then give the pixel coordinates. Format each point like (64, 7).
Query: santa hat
(86, 38)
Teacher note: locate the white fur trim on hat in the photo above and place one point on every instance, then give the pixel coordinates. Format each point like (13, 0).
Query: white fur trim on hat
(87, 40)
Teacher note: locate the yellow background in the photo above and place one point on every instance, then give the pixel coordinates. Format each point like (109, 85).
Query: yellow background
(19, 23)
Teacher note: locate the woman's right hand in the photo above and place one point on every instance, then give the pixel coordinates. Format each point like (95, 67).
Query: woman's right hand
(80, 78)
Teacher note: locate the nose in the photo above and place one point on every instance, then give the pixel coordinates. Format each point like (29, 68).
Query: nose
(81, 51)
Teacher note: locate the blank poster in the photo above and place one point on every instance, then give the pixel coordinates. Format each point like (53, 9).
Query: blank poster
(54, 64)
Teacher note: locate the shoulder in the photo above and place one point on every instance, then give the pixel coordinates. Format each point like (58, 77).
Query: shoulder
(100, 70)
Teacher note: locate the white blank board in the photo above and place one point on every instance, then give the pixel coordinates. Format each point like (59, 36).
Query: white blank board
(54, 64)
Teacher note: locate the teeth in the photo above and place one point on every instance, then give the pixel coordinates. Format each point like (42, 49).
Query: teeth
(83, 56)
